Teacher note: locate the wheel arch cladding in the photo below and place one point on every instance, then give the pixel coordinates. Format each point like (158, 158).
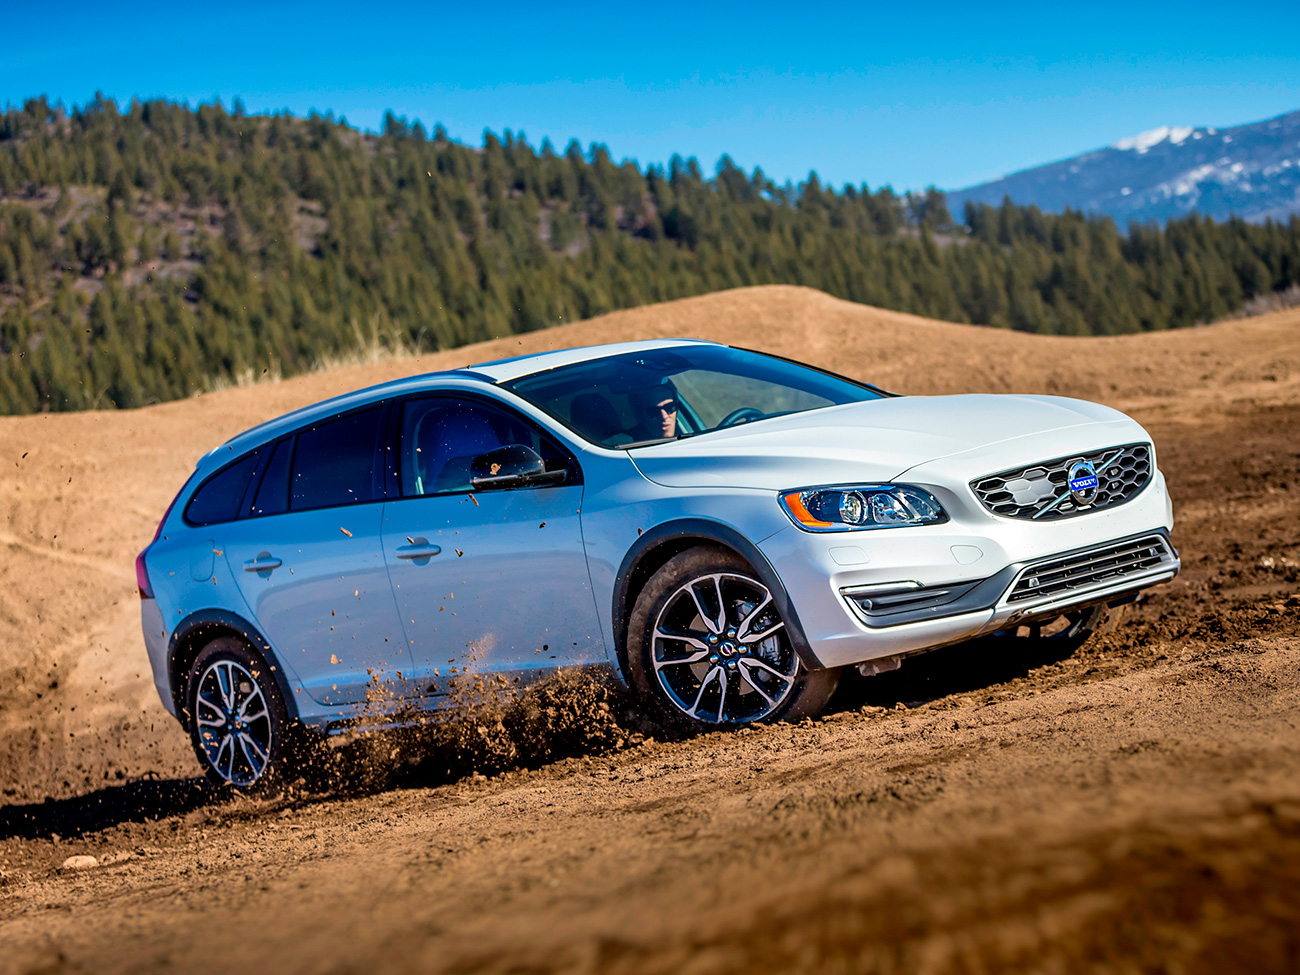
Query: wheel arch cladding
(655, 547)
(199, 629)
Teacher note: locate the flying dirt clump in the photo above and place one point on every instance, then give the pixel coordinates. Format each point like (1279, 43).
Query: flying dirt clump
(488, 725)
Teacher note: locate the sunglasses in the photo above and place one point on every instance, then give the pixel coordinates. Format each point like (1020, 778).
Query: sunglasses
(666, 405)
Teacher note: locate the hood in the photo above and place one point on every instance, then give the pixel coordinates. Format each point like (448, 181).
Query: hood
(866, 442)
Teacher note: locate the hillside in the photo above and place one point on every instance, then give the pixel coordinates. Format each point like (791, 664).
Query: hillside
(150, 254)
(83, 491)
(1250, 172)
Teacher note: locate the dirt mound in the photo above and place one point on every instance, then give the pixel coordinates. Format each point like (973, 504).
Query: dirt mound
(1130, 806)
(84, 491)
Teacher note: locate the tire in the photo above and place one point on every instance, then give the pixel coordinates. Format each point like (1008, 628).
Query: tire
(709, 672)
(1062, 634)
(239, 726)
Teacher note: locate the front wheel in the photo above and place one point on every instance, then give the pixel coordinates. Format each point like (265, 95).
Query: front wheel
(706, 642)
(238, 723)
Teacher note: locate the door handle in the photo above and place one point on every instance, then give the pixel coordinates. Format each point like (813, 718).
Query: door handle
(264, 562)
(420, 548)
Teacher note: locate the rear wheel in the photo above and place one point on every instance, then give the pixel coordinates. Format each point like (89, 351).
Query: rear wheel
(706, 643)
(239, 726)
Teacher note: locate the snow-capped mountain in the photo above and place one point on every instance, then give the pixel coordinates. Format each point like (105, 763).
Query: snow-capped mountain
(1250, 171)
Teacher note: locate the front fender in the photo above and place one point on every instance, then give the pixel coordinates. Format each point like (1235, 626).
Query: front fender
(656, 546)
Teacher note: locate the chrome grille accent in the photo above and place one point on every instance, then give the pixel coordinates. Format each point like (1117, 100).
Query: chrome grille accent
(1040, 492)
(1091, 568)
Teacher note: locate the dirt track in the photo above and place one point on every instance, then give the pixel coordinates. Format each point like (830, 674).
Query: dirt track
(1135, 807)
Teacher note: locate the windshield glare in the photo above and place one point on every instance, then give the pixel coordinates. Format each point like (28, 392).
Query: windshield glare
(648, 397)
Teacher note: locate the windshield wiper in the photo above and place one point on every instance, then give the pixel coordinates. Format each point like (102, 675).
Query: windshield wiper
(647, 443)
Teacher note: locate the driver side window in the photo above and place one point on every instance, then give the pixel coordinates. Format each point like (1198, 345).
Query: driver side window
(442, 435)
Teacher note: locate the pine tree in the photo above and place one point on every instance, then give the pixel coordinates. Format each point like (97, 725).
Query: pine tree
(267, 236)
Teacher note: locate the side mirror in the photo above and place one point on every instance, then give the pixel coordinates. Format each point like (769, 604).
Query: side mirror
(512, 466)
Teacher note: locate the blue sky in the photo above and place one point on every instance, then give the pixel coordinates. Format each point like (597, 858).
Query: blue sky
(907, 95)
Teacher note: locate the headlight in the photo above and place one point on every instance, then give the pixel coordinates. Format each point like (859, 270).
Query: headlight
(856, 508)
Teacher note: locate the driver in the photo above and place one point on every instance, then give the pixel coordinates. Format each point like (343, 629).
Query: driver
(656, 411)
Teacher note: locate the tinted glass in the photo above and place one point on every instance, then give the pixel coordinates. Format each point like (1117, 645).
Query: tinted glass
(219, 497)
(273, 493)
(334, 463)
(442, 435)
(647, 396)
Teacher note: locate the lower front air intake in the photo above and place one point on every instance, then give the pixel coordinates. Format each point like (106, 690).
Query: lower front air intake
(1093, 568)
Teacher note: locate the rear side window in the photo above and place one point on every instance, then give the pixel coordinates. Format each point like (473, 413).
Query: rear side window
(335, 463)
(219, 497)
(273, 493)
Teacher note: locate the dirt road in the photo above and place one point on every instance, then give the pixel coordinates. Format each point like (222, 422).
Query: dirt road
(1134, 807)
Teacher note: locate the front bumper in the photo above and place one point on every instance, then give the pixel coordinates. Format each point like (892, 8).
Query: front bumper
(870, 595)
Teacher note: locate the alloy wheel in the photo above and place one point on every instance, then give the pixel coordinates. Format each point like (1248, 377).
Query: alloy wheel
(720, 650)
(234, 723)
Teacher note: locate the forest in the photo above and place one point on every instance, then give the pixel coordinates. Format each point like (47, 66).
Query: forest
(153, 251)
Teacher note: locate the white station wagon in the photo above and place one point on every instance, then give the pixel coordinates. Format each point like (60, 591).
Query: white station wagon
(727, 530)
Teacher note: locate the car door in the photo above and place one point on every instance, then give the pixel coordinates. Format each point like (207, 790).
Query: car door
(487, 581)
(309, 560)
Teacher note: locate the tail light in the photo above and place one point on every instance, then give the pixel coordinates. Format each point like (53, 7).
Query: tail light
(142, 577)
(141, 570)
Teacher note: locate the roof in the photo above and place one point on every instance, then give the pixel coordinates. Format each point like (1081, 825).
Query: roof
(506, 370)
(497, 371)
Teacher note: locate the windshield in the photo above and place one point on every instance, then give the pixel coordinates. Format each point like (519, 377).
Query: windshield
(640, 398)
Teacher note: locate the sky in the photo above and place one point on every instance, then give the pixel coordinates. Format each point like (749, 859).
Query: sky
(907, 95)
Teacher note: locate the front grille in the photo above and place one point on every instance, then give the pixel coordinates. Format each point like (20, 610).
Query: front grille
(1042, 492)
(1092, 568)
